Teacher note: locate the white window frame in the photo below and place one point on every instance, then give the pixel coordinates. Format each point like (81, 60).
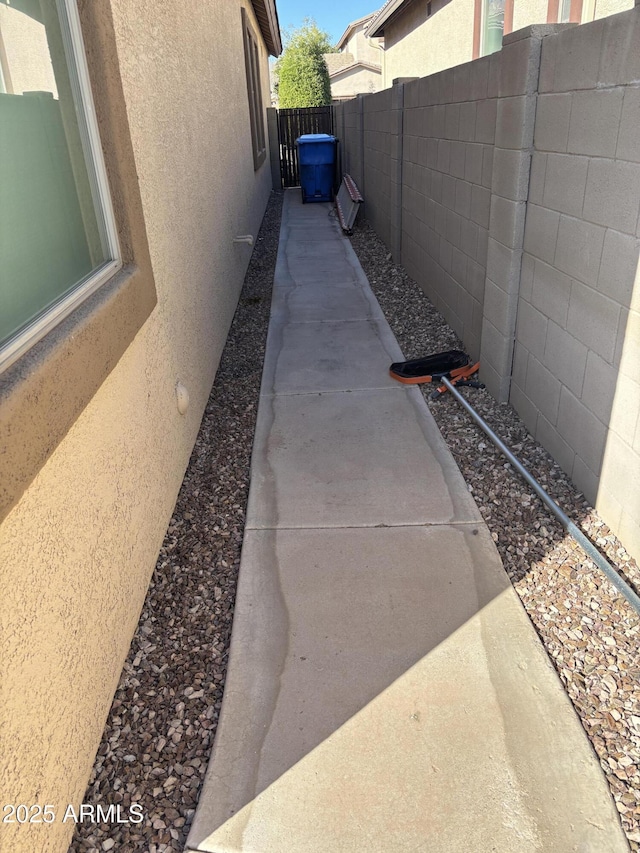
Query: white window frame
(35, 331)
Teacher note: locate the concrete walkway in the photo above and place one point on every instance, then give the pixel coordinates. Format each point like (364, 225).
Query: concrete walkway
(386, 690)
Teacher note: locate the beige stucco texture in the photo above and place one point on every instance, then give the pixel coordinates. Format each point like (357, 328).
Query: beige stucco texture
(23, 41)
(355, 80)
(418, 43)
(363, 48)
(361, 52)
(78, 550)
(416, 47)
(527, 12)
(603, 8)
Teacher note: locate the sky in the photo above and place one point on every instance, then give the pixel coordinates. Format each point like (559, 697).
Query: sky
(330, 15)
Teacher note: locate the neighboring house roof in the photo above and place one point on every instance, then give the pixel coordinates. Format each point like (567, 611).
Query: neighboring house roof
(267, 16)
(388, 11)
(352, 26)
(368, 65)
(335, 61)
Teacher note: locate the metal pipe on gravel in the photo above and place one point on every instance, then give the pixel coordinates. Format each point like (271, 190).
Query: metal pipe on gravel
(587, 546)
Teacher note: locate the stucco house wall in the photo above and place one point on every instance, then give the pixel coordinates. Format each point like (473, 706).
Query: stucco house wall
(78, 548)
(604, 8)
(23, 34)
(350, 70)
(526, 12)
(353, 81)
(418, 43)
(363, 48)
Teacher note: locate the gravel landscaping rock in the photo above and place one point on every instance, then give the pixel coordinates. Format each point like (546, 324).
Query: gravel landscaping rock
(589, 631)
(160, 729)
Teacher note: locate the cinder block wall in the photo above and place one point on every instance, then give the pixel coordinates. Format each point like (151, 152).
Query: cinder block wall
(514, 122)
(382, 166)
(576, 376)
(449, 134)
(513, 183)
(348, 126)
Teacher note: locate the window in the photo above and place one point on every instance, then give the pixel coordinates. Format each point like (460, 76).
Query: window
(256, 113)
(564, 11)
(492, 26)
(58, 241)
(43, 392)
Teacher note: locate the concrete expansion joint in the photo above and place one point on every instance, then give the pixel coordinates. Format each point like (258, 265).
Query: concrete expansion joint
(445, 525)
(325, 393)
(294, 322)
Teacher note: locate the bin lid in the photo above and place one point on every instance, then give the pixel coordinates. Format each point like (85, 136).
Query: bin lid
(315, 137)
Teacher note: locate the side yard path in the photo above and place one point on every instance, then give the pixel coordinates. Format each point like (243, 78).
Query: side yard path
(160, 729)
(158, 736)
(589, 631)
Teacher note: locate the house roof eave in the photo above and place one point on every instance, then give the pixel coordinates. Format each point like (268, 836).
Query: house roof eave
(267, 16)
(350, 27)
(369, 66)
(386, 13)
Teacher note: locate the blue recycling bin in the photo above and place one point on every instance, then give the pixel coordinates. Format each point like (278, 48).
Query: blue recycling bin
(317, 158)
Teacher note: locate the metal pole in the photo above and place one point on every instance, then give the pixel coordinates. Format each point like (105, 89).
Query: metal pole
(574, 531)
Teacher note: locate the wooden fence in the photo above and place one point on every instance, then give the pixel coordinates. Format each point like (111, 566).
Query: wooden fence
(293, 123)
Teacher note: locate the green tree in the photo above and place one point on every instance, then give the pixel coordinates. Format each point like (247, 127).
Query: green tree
(302, 75)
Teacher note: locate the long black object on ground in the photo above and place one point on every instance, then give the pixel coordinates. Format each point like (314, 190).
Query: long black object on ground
(587, 546)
